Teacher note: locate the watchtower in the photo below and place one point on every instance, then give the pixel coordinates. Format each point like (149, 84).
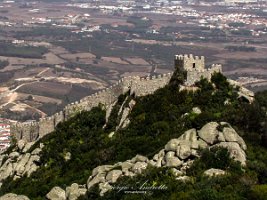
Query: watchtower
(190, 62)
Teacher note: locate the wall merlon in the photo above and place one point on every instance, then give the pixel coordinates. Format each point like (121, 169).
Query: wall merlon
(179, 57)
(42, 119)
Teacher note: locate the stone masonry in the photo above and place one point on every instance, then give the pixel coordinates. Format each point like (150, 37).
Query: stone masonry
(33, 130)
(195, 68)
(193, 65)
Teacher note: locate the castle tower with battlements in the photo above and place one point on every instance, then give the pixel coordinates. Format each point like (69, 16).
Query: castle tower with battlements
(190, 62)
(140, 86)
(195, 68)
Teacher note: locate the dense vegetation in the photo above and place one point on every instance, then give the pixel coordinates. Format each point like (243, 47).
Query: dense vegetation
(21, 51)
(3, 63)
(155, 120)
(240, 48)
(45, 31)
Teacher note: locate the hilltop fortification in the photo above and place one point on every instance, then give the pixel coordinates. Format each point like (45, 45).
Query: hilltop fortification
(194, 66)
(32, 130)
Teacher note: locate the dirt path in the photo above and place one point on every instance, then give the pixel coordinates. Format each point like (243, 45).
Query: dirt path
(40, 73)
(12, 94)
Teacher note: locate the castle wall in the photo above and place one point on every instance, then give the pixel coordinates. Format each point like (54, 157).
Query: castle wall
(188, 62)
(46, 125)
(149, 85)
(28, 131)
(139, 86)
(195, 75)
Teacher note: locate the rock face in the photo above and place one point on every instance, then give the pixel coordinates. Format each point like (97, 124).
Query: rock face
(214, 172)
(177, 154)
(209, 132)
(56, 193)
(236, 152)
(113, 175)
(196, 110)
(11, 196)
(19, 163)
(75, 191)
(124, 112)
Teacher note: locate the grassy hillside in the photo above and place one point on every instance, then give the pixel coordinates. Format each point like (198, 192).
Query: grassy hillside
(155, 120)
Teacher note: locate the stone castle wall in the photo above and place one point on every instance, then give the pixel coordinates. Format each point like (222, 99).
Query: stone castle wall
(189, 62)
(194, 65)
(194, 75)
(33, 130)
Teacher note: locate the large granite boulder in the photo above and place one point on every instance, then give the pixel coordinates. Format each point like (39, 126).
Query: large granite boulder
(139, 167)
(214, 172)
(6, 170)
(101, 169)
(172, 145)
(56, 193)
(98, 178)
(113, 175)
(14, 155)
(178, 155)
(209, 132)
(236, 152)
(139, 158)
(20, 167)
(104, 187)
(125, 166)
(183, 150)
(21, 144)
(27, 146)
(74, 191)
(231, 135)
(11, 196)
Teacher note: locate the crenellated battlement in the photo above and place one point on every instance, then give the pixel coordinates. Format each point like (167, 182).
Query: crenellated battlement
(140, 86)
(183, 57)
(189, 62)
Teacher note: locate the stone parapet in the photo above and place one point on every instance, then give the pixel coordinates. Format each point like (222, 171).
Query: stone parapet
(140, 86)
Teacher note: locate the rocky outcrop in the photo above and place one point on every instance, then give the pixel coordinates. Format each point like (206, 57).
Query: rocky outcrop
(124, 112)
(196, 110)
(243, 92)
(178, 154)
(11, 196)
(214, 172)
(56, 193)
(74, 191)
(19, 162)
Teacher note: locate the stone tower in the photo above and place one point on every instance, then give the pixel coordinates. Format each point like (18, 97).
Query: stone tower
(190, 62)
